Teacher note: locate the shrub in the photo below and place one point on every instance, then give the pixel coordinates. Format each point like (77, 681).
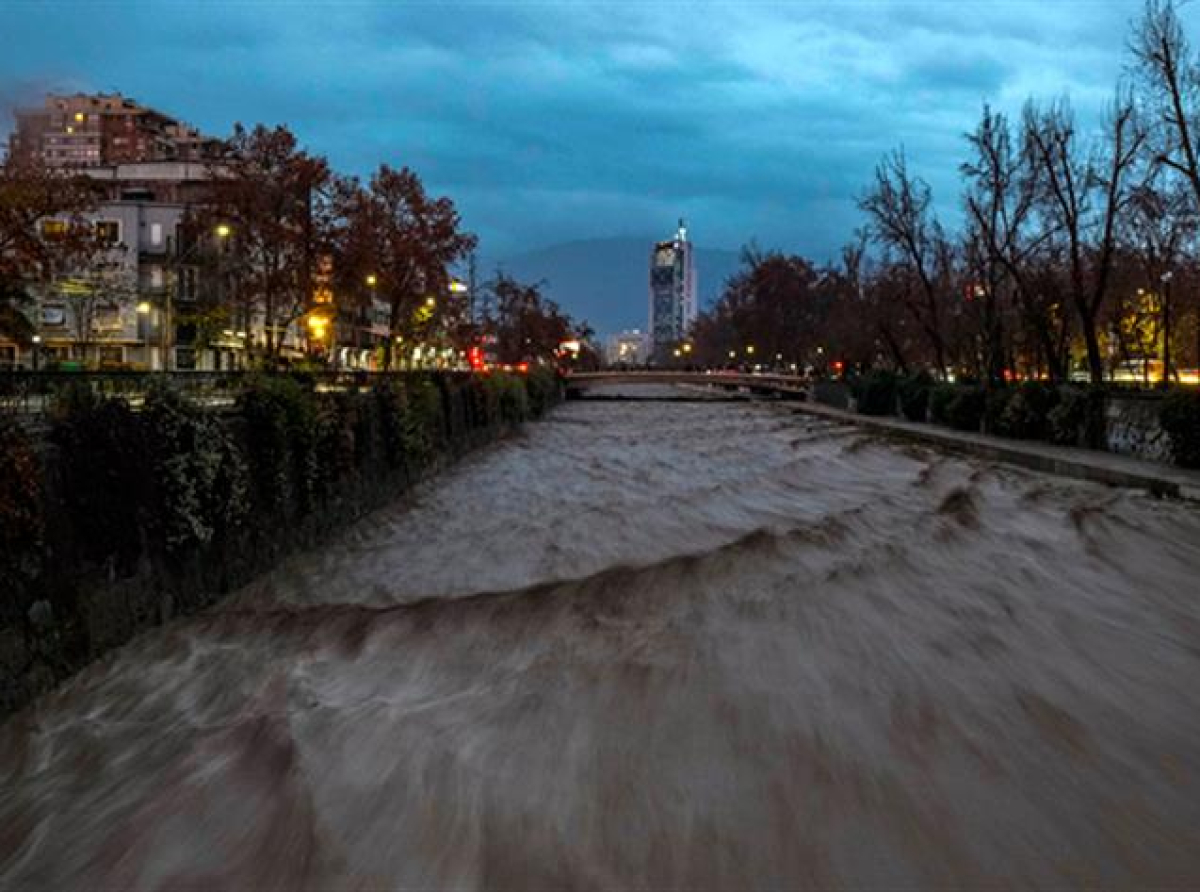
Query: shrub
(424, 423)
(965, 411)
(544, 388)
(914, 391)
(511, 396)
(1077, 418)
(1026, 415)
(21, 520)
(281, 428)
(347, 438)
(1180, 418)
(940, 399)
(391, 410)
(876, 393)
(104, 479)
(995, 404)
(199, 479)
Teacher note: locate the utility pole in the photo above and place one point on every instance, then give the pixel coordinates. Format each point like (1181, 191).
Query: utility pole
(1166, 316)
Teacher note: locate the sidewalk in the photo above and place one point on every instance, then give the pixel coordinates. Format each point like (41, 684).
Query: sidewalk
(1084, 464)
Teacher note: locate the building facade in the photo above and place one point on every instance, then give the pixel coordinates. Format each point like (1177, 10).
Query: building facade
(673, 304)
(104, 129)
(160, 295)
(626, 348)
(135, 303)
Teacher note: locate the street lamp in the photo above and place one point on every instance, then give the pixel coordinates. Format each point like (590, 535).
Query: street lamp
(37, 349)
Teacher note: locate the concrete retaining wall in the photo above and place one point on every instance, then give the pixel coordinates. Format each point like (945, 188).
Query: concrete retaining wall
(1131, 427)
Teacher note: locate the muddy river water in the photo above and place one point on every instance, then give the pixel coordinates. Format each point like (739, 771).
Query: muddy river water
(656, 645)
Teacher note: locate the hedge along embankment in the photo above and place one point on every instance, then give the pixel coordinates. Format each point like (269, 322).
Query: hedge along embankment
(1032, 410)
(116, 519)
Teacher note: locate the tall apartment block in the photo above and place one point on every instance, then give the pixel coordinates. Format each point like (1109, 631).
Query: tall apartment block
(103, 129)
(672, 294)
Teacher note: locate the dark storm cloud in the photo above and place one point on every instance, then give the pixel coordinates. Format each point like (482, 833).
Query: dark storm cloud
(554, 121)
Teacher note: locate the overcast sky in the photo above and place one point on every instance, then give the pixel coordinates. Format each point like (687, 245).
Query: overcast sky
(553, 121)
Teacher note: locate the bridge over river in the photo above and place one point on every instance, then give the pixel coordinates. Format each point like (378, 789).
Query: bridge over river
(656, 645)
(757, 383)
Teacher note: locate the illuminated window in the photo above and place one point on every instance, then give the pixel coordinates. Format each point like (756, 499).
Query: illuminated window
(107, 318)
(112, 354)
(54, 315)
(108, 231)
(54, 229)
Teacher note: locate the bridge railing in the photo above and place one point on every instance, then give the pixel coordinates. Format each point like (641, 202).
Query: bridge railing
(715, 378)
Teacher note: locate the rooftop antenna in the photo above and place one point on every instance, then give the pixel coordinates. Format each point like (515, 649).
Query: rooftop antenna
(682, 234)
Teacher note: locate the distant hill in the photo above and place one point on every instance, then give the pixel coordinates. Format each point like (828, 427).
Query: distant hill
(604, 280)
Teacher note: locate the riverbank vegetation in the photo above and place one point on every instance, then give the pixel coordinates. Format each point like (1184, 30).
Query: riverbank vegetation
(118, 515)
(1062, 414)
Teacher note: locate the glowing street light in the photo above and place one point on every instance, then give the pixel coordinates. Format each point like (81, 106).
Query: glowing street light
(319, 326)
(372, 280)
(430, 302)
(223, 230)
(143, 307)
(749, 349)
(457, 287)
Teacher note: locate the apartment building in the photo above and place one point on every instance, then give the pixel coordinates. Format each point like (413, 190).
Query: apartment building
(104, 129)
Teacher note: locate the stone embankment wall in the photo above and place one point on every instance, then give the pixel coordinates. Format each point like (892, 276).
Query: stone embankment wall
(114, 520)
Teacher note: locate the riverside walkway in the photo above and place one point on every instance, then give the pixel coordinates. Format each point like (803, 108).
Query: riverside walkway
(1067, 461)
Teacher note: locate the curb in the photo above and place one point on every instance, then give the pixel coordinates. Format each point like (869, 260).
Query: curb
(1097, 467)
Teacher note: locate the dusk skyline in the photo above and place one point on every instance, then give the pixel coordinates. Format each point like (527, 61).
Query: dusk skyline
(550, 122)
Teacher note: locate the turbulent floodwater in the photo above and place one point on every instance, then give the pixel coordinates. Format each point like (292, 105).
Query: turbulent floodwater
(661, 646)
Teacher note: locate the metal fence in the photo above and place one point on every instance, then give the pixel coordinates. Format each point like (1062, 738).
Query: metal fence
(36, 394)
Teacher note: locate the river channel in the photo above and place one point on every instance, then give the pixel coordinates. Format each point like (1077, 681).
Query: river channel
(656, 645)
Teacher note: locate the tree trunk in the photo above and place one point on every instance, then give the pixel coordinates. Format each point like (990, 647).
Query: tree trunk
(1095, 360)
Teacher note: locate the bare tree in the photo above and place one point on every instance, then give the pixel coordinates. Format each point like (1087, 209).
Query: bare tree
(902, 220)
(1002, 246)
(1170, 82)
(1159, 229)
(1081, 194)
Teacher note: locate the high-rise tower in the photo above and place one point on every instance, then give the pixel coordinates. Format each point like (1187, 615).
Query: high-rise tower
(672, 294)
